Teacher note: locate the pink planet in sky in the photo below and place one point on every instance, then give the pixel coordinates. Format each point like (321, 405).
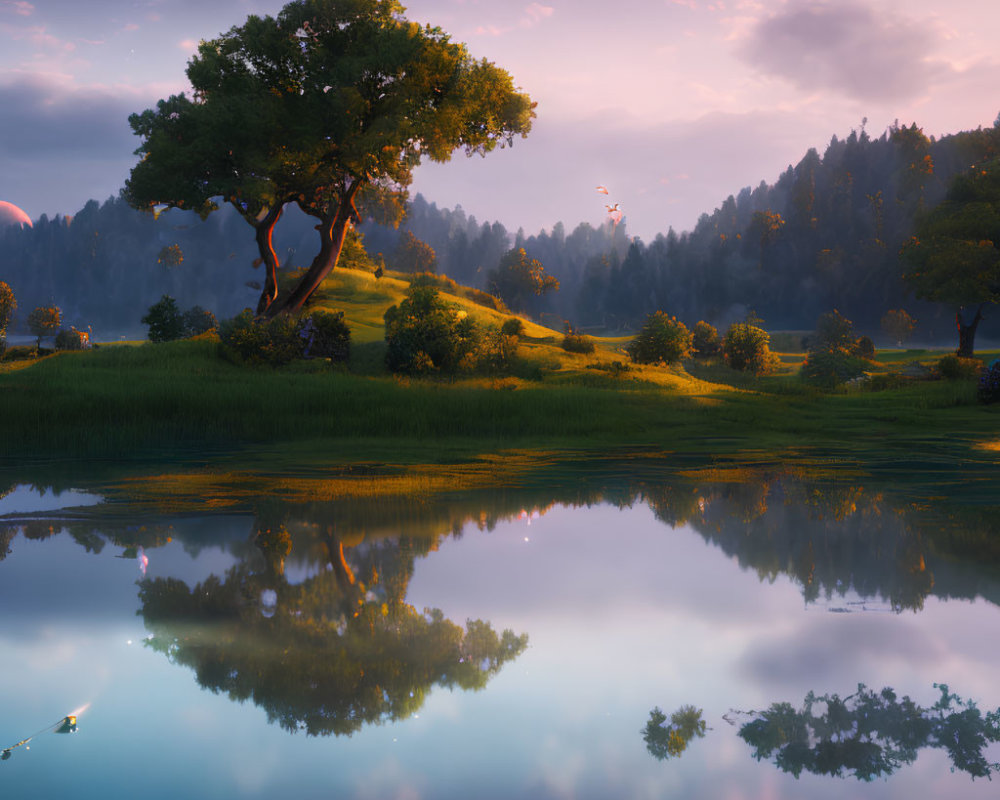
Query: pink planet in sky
(12, 215)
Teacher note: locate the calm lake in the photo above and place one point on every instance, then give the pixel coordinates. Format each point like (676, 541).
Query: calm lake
(502, 643)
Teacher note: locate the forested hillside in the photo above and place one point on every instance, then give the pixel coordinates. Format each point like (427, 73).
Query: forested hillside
(826, 234)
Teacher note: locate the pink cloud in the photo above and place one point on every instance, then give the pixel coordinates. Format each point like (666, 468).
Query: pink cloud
(19, 7)
(535, 13)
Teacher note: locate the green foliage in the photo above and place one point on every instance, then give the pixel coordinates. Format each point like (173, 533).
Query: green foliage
(898, 325)
(833, 332)
(513, 326)
(864, 348)
(662, 339)
(956, 368)
(413, 255)
(273, 342)
(497, 351)
(663, 740)
(517, 279)
(327, 103)
(578, 343)
(165, 321)
(424, 334)
(746, 349)
(69, 339)
(20, 352)
(8, 305)
(830, 368)
(196, 321)
(44, 321)
(705, 342)
(326, 335)
(835, 356)
(871, 734)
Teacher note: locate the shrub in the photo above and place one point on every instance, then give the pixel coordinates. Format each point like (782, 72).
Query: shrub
(746, 348)
(513, 326)
(577, 343)
(833, 331)
(864, 348)
(69, 339)
(485, 299)
(662, 339)
(989, 384)
(8, 305)
(956, 368)
(44, 321)
(274, 342)
(325, 335)
(197, 320)
(164, 320)
(20, 352)
(497, 350)
(424, 334)
(829, 368)
(705, 341)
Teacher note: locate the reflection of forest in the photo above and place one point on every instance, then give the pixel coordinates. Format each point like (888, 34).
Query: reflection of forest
(834, 539)
(337, 651)
(871, 734)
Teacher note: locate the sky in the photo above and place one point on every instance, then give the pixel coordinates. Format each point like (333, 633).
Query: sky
(672, 104)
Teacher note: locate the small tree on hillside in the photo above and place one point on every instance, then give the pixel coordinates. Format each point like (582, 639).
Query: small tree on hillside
(705, 340)
(898, 325)
(44, 321)
(746, 348)
(165, 321)
(413, 255)
(517, 278)
(8, 305)
(662, 340)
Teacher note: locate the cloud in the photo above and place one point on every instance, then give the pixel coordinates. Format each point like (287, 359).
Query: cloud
(845, 47)
(19, 7)
(534, 14)
(49, 117)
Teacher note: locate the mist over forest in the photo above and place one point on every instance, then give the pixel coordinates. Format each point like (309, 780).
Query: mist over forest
(826, 234)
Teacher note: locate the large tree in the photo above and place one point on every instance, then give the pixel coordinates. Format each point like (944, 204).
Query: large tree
(955, 255)
(330, 105)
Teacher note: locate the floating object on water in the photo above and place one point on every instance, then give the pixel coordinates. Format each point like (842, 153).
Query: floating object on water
(143, 561)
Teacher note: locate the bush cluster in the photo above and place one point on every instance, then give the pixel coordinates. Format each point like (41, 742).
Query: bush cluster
(69, 339)
(283, 339)
(424, 334)
(955, 368)
(705, 342)
(746, 348)
(167, 322)
(577, 343)
(661, 340)
(835, 355)
(989, 384)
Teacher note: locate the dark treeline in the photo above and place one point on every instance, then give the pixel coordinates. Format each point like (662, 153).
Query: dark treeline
(106, 265)
(825, 235)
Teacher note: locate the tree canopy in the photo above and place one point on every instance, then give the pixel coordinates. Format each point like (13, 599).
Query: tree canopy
(955, 255)
(330, 104)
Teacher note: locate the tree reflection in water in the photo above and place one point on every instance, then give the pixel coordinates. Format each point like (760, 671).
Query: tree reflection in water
(665, 740)
(330, 654)
(871, 734)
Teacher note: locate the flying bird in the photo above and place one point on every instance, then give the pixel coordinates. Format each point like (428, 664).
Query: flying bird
(602, 189)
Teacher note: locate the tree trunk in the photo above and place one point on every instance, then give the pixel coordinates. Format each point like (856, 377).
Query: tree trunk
(332, 231)
(265, 245)
(967, 333)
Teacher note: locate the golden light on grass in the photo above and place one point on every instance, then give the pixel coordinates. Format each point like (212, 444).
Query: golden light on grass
(991, 447)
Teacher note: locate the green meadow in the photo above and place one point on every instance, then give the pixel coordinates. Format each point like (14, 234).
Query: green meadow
(127, 403)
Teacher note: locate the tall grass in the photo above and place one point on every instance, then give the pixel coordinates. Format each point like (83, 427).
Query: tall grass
(141, 400)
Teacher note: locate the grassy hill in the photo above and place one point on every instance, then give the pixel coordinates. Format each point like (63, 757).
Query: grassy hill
(182, 400)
